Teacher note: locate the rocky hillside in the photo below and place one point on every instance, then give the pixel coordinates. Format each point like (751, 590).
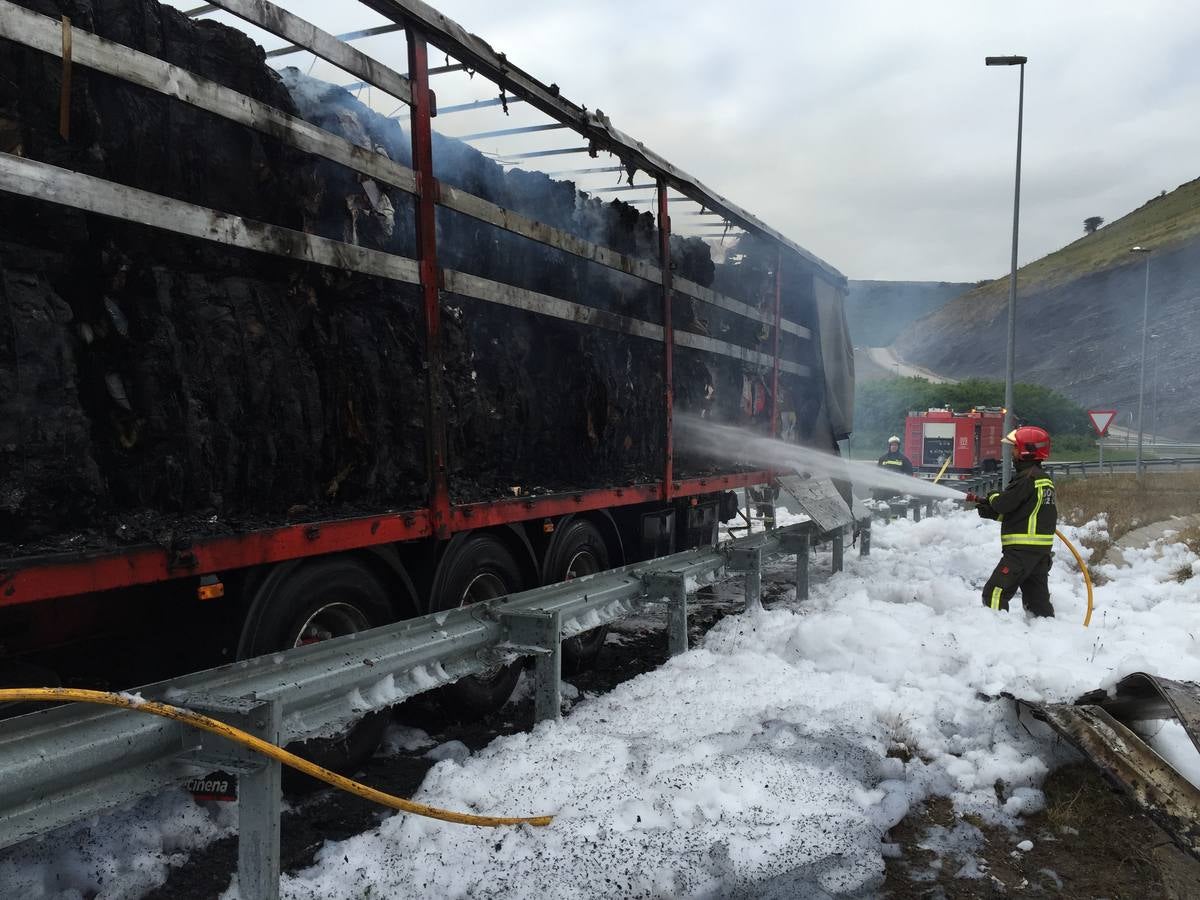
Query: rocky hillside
(1079, 318)
(877, 311)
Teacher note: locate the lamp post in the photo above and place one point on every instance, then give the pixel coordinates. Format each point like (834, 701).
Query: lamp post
(1142, 377)
(1006, 472)
(1154, 396)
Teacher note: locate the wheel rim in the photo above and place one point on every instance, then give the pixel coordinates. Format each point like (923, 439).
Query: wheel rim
(583, 563)
(329, 621)
(485, 586)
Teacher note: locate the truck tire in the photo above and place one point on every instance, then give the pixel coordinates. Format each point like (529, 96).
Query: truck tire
(480, 568)
(315, 602)
(578, 550)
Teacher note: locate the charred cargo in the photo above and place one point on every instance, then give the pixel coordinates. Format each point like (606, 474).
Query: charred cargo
(154, 384)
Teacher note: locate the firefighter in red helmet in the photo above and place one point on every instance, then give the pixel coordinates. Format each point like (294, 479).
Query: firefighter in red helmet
(1028, 518)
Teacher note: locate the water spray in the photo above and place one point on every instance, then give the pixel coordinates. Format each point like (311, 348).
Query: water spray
(706, 438)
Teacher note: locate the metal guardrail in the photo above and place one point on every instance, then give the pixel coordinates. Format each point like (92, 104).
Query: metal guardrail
(1123, 465)
(71, 762)
(983, 484)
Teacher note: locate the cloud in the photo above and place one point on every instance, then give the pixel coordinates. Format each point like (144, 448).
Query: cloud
(869, 132)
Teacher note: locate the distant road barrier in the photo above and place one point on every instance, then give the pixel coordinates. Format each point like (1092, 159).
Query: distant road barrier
(984, 484)
(1083, 469)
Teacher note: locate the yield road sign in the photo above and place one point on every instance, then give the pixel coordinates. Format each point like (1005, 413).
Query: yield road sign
(1101, 419)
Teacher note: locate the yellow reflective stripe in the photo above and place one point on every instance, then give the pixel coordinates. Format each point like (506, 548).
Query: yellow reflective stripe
(993, 495)
(996, 595)
(1031, 525)
(1031, 540)
(891, 462)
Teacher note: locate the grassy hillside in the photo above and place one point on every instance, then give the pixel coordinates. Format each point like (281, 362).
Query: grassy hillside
(1162, 222)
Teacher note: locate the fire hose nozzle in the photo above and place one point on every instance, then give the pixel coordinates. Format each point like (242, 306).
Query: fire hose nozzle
(972, 498)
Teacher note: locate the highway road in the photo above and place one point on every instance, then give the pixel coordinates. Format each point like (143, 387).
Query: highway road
(886, 358)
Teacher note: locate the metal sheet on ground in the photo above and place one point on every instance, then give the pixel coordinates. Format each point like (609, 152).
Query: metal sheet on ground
(1171, 801)
(1142, 696)
(817, 498)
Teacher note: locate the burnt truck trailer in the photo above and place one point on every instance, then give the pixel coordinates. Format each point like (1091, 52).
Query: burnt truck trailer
(278, 365)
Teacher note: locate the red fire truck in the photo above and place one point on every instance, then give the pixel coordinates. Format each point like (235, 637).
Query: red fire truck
(970, 440)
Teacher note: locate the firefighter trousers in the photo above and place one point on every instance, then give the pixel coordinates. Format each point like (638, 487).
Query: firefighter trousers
(1024, 570)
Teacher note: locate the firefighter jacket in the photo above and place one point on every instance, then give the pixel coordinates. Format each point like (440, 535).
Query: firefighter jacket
(1026, 510)
(896, 462)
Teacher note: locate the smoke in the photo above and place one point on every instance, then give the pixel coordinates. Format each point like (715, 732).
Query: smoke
(737, 445)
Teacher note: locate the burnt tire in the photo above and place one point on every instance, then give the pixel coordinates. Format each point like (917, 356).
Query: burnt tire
(480, 568)
(578, 550)
(315, 602)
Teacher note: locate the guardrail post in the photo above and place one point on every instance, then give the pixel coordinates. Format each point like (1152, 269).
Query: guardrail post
(749, 561)
(799, 542)
(838, 544)
(259, 789)
(864, 537)
(259, 808)
(674, 588)
(539, 633)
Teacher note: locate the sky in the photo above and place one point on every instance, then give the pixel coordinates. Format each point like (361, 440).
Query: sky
(870, 133)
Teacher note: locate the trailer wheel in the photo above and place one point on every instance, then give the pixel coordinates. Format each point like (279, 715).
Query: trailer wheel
(316, 602)
(480, 568)
(578, 550)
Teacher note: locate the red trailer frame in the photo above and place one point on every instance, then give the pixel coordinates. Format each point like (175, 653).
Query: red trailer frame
(30, 580)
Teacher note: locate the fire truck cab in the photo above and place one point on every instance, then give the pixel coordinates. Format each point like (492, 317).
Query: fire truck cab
(970, 440)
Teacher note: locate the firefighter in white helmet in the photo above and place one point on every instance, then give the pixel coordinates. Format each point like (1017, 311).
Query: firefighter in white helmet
(895, 460)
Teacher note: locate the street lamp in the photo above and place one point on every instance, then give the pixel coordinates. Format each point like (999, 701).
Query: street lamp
(1145, 334)
(1154, 396)
(1006, 472)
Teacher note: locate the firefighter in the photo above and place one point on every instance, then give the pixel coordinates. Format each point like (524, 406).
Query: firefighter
(894, 460)
(1028, 517)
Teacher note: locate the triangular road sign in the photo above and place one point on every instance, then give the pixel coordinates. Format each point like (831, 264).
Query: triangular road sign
(1101, 419)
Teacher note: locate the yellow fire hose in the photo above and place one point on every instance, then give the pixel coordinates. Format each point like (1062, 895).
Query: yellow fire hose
(942, 470)
(266, 748)
(1087, 578)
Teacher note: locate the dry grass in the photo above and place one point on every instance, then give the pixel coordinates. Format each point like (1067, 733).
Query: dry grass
(1126, 503)
(1191, 537)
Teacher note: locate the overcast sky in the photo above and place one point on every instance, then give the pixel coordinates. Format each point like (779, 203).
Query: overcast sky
(871, 132)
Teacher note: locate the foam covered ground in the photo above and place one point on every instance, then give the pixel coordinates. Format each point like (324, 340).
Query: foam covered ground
(763, 763)
(757, 764)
